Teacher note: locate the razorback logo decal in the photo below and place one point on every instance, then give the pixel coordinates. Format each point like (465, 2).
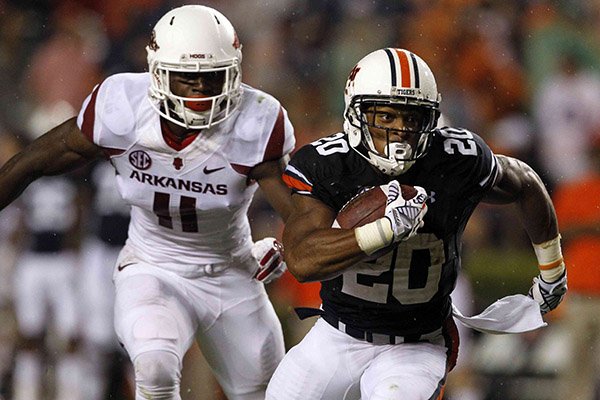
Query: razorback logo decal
(153, 45)
(177, 163)
(236, 41)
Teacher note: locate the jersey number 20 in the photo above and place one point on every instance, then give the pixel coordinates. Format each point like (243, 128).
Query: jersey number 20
(411, 273)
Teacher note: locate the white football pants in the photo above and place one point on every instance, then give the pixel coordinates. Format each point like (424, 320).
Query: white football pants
(228, 312)
(329, 364)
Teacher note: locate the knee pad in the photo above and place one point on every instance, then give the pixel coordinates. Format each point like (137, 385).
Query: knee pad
(157, 376)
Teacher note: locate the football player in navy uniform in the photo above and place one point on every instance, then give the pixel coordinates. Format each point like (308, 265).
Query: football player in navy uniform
(386, 329)
(190, 144)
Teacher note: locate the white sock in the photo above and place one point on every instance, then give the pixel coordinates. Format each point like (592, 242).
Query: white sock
(69, 377)
(95, 373)
(28, 376)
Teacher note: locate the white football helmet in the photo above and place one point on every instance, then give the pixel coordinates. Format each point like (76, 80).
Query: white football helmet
(194, 38)
(390, 77)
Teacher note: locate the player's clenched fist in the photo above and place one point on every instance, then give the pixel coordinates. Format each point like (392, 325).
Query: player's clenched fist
(405, 209)
(268, 252)
(403, 215)
(548, 294)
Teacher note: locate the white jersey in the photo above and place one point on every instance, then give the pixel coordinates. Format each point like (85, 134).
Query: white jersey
(189, 206)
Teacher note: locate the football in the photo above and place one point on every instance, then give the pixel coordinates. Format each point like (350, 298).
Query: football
(368, 206)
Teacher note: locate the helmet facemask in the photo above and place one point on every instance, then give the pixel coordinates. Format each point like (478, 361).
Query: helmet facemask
(398, 156)
(196, 112)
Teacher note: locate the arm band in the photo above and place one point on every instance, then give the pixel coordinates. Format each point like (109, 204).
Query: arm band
(374, 235)
(550, 259)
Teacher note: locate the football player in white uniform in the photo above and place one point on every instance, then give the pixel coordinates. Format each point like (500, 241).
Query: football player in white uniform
(189, 142)
(387, 330)
(45, 291)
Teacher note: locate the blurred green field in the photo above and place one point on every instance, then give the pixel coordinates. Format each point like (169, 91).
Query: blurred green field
(497, 273)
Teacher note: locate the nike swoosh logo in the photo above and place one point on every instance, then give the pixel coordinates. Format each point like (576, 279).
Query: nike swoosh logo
(123, 266)
(210, 171)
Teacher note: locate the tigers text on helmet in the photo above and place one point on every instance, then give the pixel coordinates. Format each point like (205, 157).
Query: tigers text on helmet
(390, 77)
(194, 39)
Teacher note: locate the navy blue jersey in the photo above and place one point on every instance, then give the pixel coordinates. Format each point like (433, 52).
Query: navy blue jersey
(407, 291)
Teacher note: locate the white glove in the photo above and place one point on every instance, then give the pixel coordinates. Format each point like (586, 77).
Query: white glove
(268, 253)
(548, 295)
(406, 216)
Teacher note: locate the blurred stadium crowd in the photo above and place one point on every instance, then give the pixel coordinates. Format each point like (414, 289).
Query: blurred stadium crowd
(523, 74)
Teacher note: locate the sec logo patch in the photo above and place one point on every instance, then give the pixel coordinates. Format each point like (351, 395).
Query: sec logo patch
(140, 160)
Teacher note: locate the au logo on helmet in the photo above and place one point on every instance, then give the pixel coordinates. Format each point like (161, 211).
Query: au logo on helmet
(351, 78)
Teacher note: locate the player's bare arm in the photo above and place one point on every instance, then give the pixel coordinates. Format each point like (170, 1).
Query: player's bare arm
(518, 183)
(268, 176)
(314, 250)
(60, 150)
(268, 251)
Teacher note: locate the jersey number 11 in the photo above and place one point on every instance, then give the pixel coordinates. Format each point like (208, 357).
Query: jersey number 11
(187, 211)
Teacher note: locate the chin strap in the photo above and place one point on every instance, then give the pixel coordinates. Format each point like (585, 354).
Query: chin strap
(399, 152)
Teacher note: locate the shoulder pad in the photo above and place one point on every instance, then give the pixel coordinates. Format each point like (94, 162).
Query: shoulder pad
(109, 114)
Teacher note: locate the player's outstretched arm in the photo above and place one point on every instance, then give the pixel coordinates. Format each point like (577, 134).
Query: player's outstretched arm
(61, 149)
(518, 183)
(315, 251)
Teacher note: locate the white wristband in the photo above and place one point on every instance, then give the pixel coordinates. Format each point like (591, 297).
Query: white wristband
(550, 259)
(374, 235)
